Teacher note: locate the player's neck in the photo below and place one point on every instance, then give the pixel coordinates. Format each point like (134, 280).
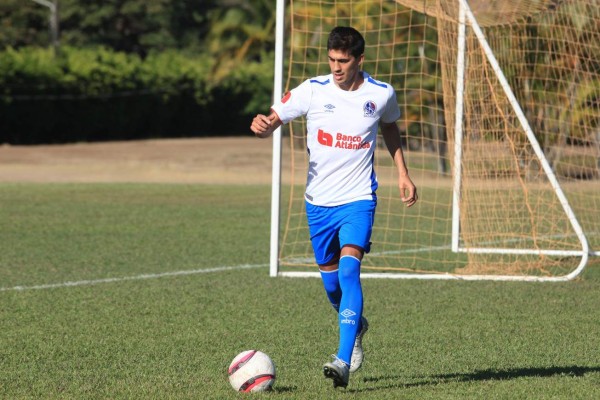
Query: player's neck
(355, 84)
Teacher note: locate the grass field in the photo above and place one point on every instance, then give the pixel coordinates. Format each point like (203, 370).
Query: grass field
(148, 291)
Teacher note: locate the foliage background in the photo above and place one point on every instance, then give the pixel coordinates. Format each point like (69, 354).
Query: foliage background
(125, 69)
(133, 69)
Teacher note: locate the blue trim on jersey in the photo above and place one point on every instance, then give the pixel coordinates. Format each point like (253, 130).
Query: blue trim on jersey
(376, 83)
(374, 183)
(319, 82)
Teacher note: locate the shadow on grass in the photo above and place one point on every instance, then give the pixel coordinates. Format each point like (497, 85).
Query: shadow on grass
(391, 382)
(285, 389)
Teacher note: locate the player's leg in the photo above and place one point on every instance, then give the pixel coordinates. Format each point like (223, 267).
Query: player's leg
(355, 235)
(323, 223)
(340, 271)
(351, 304)
(331, 283)
(323, 228)
(338, 370)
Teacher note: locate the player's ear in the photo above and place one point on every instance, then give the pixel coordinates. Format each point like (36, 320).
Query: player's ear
(361, 59)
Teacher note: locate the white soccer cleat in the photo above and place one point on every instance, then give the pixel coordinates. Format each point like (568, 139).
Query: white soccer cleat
(358, 354)
(338, 371)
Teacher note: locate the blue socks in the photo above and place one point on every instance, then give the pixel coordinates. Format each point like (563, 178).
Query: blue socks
(331, 283)
(345, 294)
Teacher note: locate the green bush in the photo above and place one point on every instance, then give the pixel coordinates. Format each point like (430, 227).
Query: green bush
(99, 94)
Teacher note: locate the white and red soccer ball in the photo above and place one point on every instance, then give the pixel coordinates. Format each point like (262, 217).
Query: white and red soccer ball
(252, 371)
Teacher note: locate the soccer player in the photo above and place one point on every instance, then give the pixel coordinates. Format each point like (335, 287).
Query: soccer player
(343, 111)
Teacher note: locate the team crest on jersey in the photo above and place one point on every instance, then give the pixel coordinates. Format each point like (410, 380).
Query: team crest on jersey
(370, 108)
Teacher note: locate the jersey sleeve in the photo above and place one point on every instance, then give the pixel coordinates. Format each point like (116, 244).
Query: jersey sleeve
(294, 103)
(392, 111)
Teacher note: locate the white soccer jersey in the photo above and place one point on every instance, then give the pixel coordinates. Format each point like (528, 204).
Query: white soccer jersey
(341, 132)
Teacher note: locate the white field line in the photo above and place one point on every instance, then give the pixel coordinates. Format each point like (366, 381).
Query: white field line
(209, 270)
(130, 278)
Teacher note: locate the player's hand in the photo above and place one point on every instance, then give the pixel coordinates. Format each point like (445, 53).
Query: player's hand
(261, 126)
(408, 191)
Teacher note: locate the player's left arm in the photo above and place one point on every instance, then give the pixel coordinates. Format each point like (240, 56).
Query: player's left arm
(391, 136)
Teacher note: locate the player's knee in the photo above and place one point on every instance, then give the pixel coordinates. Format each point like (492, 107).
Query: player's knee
(352, 250)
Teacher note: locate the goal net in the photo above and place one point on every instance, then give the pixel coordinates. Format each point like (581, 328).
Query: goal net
(500, 103)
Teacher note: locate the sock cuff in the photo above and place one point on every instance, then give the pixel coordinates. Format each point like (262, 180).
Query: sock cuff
(329, 272)
(349, 256)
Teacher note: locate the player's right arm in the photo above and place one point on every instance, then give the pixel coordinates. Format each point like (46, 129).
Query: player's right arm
(293, 104)
(263, 126)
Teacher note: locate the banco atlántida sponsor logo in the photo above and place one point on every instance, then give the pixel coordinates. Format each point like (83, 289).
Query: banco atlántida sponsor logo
(339, 140)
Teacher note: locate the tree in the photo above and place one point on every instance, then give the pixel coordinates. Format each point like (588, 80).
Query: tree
(132, 26)
(240, 31)
(23, 23)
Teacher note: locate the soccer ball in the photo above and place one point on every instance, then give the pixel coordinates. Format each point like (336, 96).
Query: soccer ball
(252, 371)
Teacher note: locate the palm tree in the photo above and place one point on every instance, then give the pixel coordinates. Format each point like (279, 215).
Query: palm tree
(240, 31)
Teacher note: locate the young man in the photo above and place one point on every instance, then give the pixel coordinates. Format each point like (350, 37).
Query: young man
(344, 111)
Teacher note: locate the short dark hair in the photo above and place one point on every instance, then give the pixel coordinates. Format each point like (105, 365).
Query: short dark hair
(346, 38)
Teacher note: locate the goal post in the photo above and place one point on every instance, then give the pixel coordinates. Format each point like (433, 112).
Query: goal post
(500, 118)
(464, 15)
(276, 166)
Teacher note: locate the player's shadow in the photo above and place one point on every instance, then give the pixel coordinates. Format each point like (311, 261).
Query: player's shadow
(391, 382)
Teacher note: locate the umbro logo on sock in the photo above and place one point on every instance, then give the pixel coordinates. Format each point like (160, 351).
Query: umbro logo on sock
(347, 313)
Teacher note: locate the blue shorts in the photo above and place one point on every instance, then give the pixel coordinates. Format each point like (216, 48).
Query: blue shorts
(331, 228)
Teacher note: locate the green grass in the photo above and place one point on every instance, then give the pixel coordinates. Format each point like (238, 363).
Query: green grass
(173, 336)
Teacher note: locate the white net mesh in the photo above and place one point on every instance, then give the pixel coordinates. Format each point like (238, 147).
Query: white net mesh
(549, 52)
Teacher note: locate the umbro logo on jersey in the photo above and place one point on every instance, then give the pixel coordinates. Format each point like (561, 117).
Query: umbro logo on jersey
(329, 108)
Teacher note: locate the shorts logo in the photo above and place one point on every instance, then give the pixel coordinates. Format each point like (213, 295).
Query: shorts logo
(370, 108)
(347, 313)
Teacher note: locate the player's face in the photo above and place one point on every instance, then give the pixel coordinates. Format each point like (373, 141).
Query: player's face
(345, 69)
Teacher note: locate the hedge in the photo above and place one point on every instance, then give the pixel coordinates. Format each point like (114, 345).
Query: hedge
(99, 94)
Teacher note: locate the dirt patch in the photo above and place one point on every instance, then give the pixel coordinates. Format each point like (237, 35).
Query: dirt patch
(223, 160)
(245, 160)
